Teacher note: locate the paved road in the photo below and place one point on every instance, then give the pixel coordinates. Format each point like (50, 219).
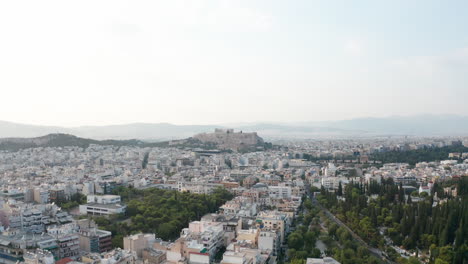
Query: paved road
(375, 251)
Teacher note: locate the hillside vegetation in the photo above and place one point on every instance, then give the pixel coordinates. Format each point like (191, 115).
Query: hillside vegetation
(66, 140)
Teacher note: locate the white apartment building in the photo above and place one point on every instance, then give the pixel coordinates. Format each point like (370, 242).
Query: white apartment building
(38, 256)
(332, 183)
(236, 254)
(102, 209)
(279, 192)
(102, 205)
(330, 170)
(269, 241)
(209, 236)
(26, 218)
(103, 199)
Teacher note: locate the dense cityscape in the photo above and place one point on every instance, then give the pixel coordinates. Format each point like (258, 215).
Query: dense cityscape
(245, 202)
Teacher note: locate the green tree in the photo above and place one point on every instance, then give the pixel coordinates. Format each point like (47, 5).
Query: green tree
(340, 190)
(295, 241)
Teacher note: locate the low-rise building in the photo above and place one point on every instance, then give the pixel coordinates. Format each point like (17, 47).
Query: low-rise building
(93, 239)
(38, 256)
(153, 256)
(138, 243)
(103, 199)
(101, 209)
(269, 241)
(274, 220)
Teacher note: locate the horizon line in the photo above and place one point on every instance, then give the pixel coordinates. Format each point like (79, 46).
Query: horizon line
(291, 123)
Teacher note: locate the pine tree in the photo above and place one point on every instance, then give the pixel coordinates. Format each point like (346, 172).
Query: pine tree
(340, 190)
(409, 201)
(401, 193)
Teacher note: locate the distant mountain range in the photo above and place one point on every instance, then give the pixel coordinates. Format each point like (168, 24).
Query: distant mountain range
(424, 125)
(158, 131)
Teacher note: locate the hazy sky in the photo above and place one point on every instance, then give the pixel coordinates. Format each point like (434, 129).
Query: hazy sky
(198, 62)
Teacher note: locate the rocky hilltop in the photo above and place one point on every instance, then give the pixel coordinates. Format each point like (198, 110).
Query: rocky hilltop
(228, 139)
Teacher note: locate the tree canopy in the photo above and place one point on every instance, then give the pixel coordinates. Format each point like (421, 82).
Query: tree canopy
(163, 212)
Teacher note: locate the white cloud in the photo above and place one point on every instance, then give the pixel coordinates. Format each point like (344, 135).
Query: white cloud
(355, 46)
